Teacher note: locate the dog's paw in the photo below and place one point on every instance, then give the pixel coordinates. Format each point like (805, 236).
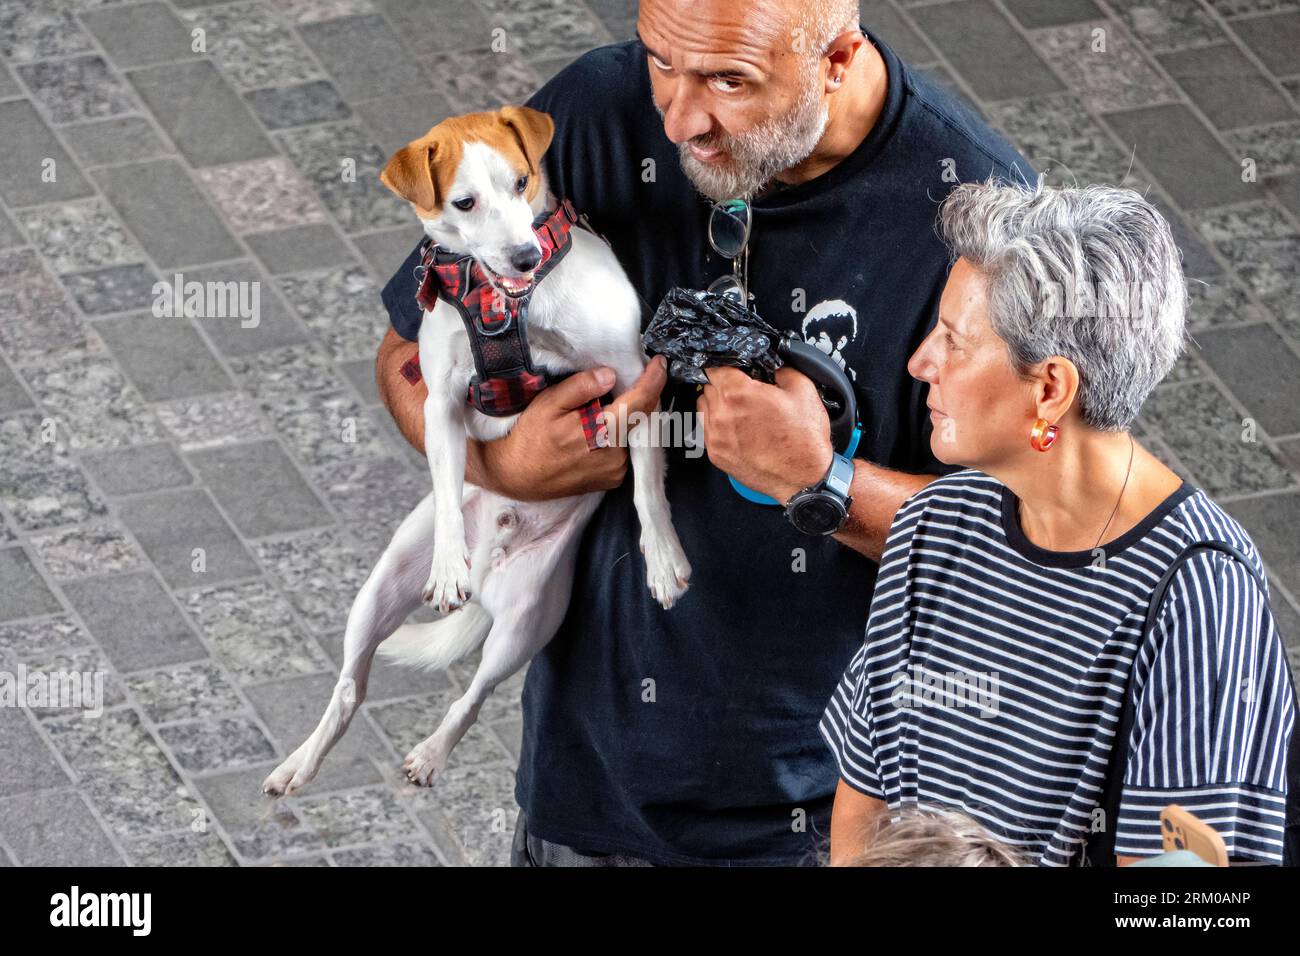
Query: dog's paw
(288, 778)
(668, 573)
(448, 584)
(422, 764)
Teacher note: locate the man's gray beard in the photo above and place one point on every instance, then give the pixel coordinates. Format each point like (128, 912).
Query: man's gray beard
(753, 157)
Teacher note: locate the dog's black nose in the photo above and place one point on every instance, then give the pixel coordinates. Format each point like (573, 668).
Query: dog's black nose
(525, 257)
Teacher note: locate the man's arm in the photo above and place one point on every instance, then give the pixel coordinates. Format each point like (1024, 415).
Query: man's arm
(767, 438)
(545, 455)
(404, 401)
(877, 493)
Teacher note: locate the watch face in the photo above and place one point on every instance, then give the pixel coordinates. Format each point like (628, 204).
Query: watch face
(817, 514)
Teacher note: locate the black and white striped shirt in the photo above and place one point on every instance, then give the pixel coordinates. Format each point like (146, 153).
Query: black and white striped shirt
(992, 674)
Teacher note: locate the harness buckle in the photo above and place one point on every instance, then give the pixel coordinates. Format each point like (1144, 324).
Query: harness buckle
(505, 325)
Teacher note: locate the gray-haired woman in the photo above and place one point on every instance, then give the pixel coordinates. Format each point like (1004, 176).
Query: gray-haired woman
(1011, 601)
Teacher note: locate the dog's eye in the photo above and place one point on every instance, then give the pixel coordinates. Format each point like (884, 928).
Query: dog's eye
(465, 205)
(522, 183)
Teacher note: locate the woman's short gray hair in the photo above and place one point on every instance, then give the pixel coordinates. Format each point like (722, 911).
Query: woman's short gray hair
(1091, 274)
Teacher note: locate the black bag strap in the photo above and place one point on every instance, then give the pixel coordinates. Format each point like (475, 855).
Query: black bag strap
(1100, 848)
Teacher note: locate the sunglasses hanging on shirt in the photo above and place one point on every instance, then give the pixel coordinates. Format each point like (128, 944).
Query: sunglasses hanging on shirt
(698, 330)
(730, 223)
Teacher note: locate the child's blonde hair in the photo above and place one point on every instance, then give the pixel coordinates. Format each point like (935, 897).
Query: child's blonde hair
(933, 837)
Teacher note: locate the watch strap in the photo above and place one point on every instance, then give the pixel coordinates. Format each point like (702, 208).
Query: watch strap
(839, 477)
(836, 483)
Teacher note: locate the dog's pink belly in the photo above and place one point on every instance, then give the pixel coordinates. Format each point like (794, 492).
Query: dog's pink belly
(500, 529)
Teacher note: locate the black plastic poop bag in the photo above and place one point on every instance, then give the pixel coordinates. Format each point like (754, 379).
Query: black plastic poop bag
(696, 330)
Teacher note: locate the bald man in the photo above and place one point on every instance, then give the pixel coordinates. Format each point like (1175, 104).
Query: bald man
(690, 736)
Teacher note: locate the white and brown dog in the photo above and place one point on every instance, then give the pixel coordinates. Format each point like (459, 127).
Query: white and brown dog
(501, 569)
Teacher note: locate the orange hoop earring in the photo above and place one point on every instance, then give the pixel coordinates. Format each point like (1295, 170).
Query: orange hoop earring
(1042, 435)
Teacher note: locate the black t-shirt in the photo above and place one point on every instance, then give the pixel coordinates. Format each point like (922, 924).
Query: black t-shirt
(691, 735)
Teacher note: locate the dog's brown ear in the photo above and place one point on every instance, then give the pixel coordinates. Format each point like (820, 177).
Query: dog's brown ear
(532, 128)
(410, 174)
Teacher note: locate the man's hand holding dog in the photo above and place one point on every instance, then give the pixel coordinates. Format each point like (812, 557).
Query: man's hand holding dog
(546, 455)
(775, 439)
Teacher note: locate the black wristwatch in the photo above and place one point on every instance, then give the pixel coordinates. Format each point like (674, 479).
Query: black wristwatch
(824, 507)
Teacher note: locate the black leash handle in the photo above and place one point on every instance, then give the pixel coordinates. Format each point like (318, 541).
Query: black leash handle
(832, 383)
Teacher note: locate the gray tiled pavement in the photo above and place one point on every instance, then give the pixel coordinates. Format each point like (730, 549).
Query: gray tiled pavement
(126, 441)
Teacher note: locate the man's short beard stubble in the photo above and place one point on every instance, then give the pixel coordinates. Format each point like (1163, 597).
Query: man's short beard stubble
(753, 157)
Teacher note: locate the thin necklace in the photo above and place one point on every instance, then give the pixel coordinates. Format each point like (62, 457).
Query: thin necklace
(1121, 493)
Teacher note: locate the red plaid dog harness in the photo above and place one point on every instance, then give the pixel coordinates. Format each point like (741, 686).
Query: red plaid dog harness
(505, 381)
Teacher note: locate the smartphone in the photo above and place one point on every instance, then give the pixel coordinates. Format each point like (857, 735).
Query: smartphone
(1182, 831)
